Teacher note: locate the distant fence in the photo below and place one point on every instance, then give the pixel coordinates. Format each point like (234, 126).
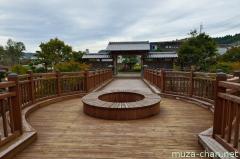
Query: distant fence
(24, 90)
(213, 88)
(191, 84)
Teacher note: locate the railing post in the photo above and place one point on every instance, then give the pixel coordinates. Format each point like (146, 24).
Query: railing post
(32, 93)
(148, 75)
(155, 77)
(162, 80)
(86, 79)
(99, 76)
(16, 105)
(159, 78)
(191, 83)
(218, 108)
(58, 79)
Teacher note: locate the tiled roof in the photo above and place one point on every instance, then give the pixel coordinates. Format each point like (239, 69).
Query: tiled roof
(128, 46)
(162, 55)
(96, 56)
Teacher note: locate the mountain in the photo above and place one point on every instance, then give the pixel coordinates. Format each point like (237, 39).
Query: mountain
(228, 39)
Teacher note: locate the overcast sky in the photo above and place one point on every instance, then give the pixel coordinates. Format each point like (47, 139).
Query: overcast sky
(92, 23)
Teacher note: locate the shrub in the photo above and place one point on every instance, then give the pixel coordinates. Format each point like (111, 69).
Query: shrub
(39, 70)
(3, 74)
(19, 69)
(71, 66)
(227, 67)
(236, 66)
(137, 67)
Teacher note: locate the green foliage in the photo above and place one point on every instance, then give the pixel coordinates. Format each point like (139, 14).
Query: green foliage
(228, 62)
(19, 69)
(77, 56)
(227, 67)
(39, 70)
(232, 55)
(129, 62)
(71, 66)
(198, 51)
(11, 53)
(2, 52)
(137, 67)
(53, 52)
(3, 74)
(228, 39)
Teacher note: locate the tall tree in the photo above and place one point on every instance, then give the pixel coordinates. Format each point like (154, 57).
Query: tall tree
(12, 52)
(53, 52)
(2, 53)
(199, 50)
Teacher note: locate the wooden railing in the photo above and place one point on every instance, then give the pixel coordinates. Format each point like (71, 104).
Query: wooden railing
(24, 90)
(209, 87)
(227, 114)
(10, 110)
(192, 84)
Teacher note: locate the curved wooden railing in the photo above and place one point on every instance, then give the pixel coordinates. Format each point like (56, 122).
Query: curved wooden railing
(191, 84)
(24, 90)
(214, 88)
(10, 111)
(227, 115)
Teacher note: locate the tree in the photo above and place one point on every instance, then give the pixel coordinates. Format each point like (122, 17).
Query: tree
(53, 52)
(228, 39)
(77, 56)
(130, 61)
(199, 51)
(2, 53)
(12, 52)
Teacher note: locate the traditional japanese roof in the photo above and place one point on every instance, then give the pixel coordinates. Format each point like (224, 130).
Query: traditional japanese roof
(162, 55)
(129, 46)
(96, 56)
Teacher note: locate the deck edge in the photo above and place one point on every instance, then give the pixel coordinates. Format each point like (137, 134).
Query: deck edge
(209, 144)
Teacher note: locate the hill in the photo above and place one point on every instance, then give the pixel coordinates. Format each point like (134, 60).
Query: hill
(228, 39)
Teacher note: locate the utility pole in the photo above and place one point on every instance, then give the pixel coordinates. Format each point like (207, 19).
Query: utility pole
(201, 28)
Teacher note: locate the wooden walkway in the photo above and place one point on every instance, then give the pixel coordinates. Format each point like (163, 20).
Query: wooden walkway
(132, 84)
(65, 132)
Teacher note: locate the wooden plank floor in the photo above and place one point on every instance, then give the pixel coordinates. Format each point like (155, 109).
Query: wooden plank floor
(65, 132)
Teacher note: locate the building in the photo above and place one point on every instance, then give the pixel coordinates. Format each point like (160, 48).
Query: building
(166, 45)
(29, 56)
(150, 57)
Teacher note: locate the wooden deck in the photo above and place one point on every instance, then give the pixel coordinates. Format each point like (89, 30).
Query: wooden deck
(64, 131)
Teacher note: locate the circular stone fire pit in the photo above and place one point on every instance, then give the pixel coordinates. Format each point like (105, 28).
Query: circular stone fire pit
(121, 104)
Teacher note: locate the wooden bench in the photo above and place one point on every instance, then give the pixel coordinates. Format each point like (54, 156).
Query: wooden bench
(121, 104)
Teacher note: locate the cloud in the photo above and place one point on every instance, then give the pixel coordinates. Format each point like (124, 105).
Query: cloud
(91, 24)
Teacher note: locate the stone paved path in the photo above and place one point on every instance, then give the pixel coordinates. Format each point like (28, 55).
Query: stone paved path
(127, 84)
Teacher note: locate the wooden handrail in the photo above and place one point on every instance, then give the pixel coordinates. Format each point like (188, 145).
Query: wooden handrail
(7, 95)
(24, 90)
(208, 87)
(230, 85)
(229, 97)
(182, 83)
(6, 84)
